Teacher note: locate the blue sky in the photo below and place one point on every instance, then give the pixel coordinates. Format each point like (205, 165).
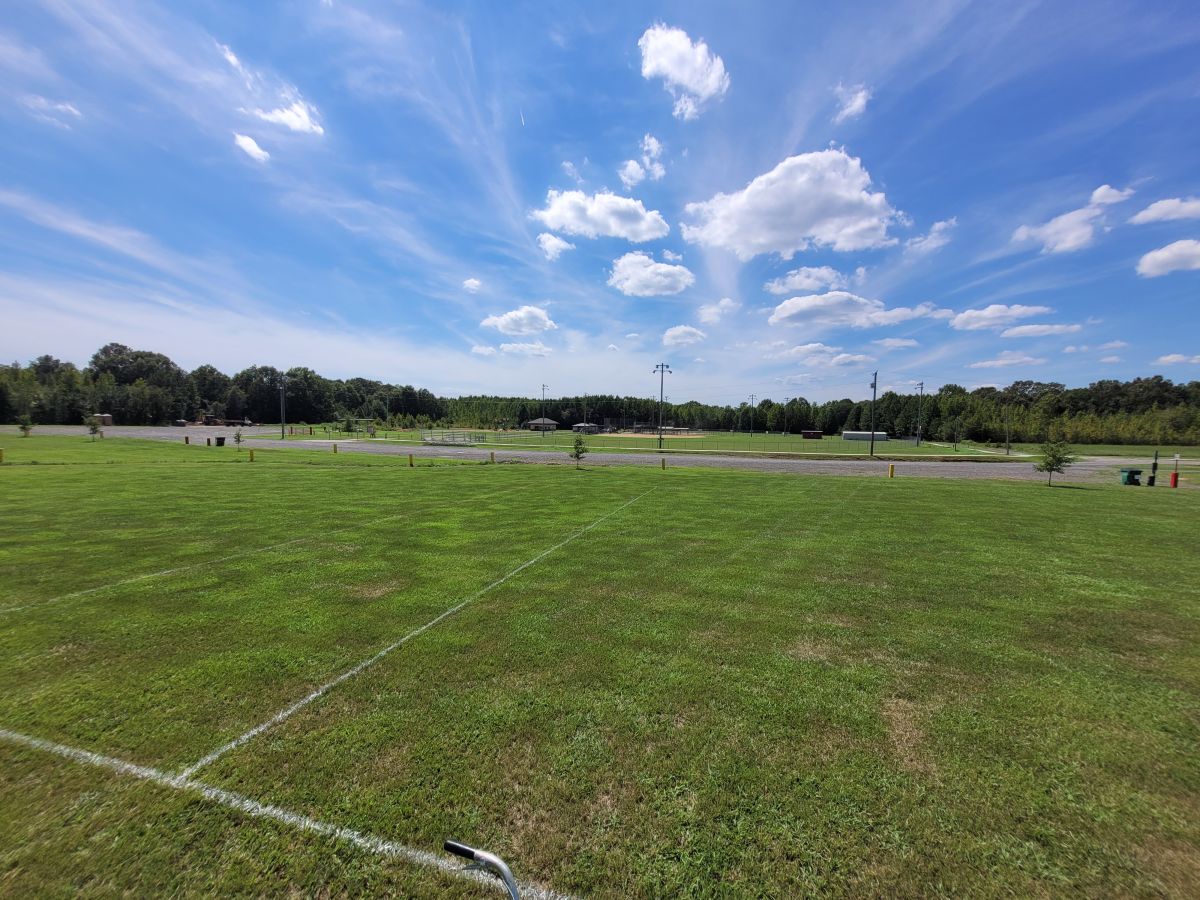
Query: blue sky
(775, 199)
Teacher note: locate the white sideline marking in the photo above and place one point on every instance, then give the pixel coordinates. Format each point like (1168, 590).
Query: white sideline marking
(212, 562)
(364, 841)
(350, 673)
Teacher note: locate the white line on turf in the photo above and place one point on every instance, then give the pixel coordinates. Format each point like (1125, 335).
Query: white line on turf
(364, 841)
(212, 562)
(350, 673)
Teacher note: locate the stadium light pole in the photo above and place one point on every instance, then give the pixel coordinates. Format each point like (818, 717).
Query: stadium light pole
(282, 410)
(874, 391)
(920, 403)
(663, 370)
(753, 398)
(543, 428)
(786, 401)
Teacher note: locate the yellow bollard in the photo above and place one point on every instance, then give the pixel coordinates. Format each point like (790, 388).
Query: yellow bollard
(410, 461)
(891, 470)
(335, 448)
(492, 456)
(251, 456)
(664, 463)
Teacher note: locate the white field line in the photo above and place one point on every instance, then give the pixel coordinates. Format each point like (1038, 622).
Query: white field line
(289, 711)
(212, 562)
(364, 841)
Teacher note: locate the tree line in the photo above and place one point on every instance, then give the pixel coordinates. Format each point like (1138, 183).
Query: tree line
(141, 387)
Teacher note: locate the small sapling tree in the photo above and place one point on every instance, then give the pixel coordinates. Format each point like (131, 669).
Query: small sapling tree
(26, 425)
(579, 451)
(1056, 457)
(93, 426)
(237, 439)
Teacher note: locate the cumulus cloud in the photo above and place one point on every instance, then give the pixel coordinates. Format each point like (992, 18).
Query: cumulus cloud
(1110, 359)
(537, 348)
(638, 275)
(671, 256)
(895, 343)
(806, 278)
(483, 350)
(526, 320)
(841, 308)
(1039, 330)
(1076, 229)
(938, 236)
(472, 285)
(1175, 359)
(682, 336)
(552, 245)
(299, 115)
(689, 70)
(1169, 211)
(997, 315)
(815, 199)
(853, 100)
(1177, 257)
(711, 313)
(818, 354)
(1005, 359)
(631, 173)
(572, 172)
(601, 215)
(1114, 345)
(250, 147)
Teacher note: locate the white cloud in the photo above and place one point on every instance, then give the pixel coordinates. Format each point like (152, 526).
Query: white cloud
(671, 256)
(853, 101)
(1072, 348)
(652, 150)
(1076, 229)
(472, 285)
(841, 308)
(1005, 359)
(56, 112)
(1114, 345)
(1039, 330)
(572, 172)
(631, 173)
(997, 315)
(711, 313)
(690, 71)
(299, 115)
(814, 199)
(552, 245)
(483, 350)
(250, 147)
(526, 320)
(682, 336)
(537, 348)
(806, 278)
(601, 215)
(613, 347)
(818, 354)
(1176, 257)
(1110, 359)
(1169, 211)
(1106, 195)
(1175, 359)
(895, 343)
(938, 236)
(638, 275)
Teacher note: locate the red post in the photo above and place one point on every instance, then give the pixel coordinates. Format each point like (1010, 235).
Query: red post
(1174, 479)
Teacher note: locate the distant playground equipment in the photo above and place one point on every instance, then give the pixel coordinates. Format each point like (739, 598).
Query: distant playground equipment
(485, 862)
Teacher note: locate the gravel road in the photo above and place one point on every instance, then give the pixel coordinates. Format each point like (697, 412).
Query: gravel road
(1087, 469)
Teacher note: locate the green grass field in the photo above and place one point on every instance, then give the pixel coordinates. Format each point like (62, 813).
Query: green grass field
(694, 681)
(1134, 451)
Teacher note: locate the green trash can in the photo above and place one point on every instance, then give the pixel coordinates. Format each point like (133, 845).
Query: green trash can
(221, 443)
(1131, 476)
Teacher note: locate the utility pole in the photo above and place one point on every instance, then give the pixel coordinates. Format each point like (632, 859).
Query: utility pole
(282, 412)
(753, 398)
(874, 390)
(786, 401)
(663, 370)
(920, 403)
(1007, 432)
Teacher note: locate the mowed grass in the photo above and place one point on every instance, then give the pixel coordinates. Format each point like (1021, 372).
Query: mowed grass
(1133, 451)
(738, 684)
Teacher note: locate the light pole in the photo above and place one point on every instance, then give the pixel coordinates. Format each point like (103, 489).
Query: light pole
(753, 398)
(543, 422)
(874, 383)
(786, 401)
(282, 411)
(920, 403)
(1007, 431)
(663, 370)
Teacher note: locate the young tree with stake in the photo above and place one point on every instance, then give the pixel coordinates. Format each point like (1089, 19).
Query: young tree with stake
(580, 450)
(1056, 457)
